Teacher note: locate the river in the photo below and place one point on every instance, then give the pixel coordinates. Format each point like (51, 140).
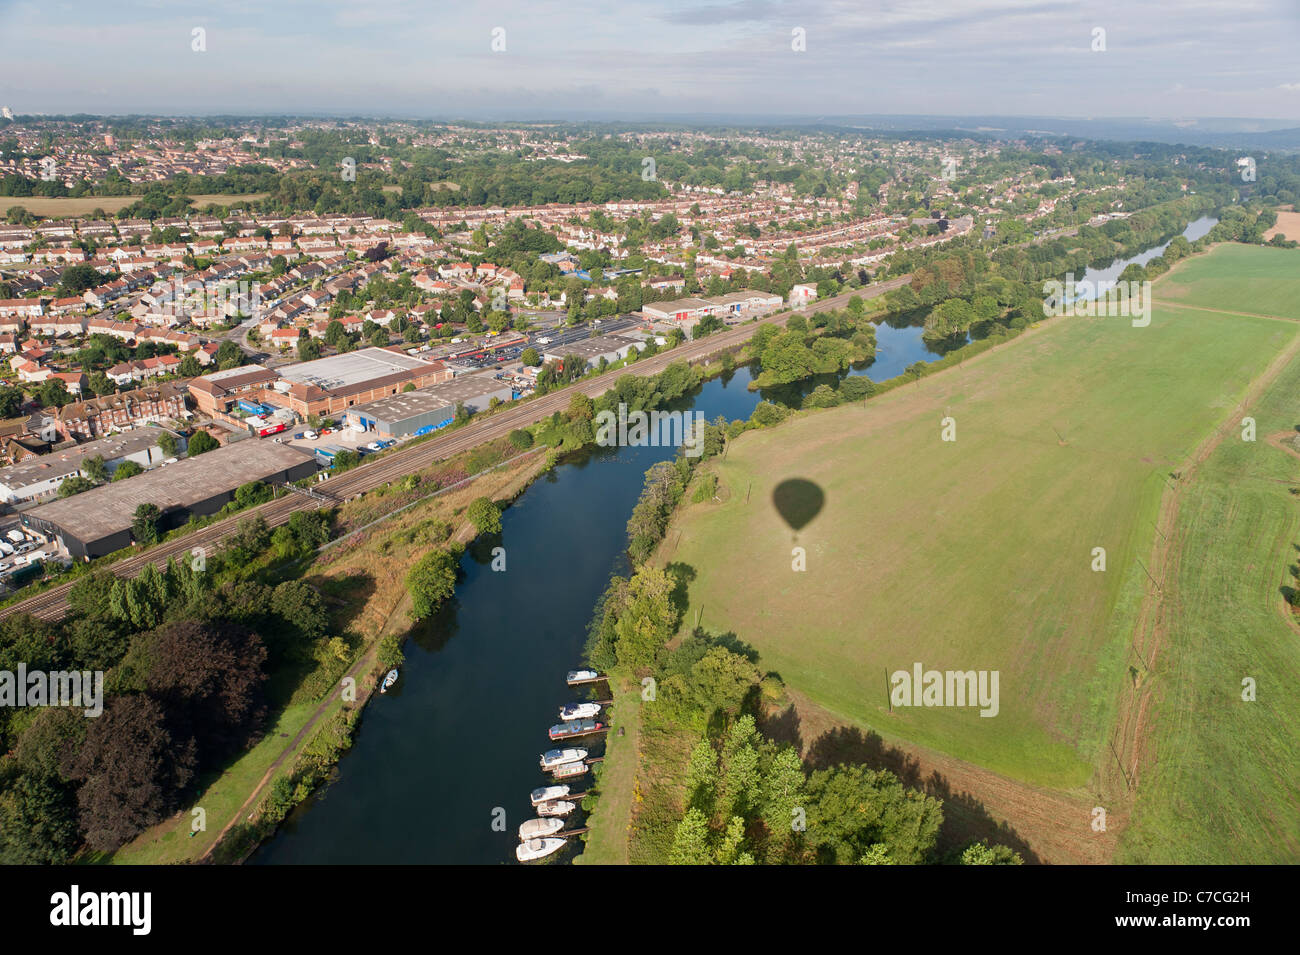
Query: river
(457, 740)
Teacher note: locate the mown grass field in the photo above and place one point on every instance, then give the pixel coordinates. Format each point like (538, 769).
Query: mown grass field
(976, 554)
(1237, 278)
(1220, 783)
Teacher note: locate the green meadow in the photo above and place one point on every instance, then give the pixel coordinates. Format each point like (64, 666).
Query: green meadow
(978, 553)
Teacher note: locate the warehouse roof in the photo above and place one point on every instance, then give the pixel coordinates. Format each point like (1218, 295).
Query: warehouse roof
(108, 509)
(594, 347)
(352, 368)
(444, 394)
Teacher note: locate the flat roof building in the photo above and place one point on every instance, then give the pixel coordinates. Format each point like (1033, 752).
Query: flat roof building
(98, 521)
(609, 347)
(41, 476)
(433, 407)
(326, 386)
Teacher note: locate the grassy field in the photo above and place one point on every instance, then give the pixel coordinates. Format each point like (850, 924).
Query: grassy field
(976, 554)
(1220, 784)
(1237, 277)
(82, 206)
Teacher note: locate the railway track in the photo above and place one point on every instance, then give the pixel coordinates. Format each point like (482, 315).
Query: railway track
(52, 604)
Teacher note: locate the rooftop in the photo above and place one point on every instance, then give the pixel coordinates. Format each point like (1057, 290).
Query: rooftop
(69, 460)
(594, 347)
(352, 368)
(442, 395)
(110, 508)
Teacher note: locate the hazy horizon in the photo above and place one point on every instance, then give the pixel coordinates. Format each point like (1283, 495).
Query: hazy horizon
(579, 60)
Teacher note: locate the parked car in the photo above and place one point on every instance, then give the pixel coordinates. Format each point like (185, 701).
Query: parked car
(309, 435)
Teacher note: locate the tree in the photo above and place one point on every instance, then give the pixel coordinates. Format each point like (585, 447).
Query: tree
(101, 384)
(132, 770)
(38, 821)
(229, 355)
(75, 485)
(78, 278)
(202, 442)
(648, 619)
(981, 853)
(144, 526)
(208, 677)
(691, 841)
(431, 581)
(851, 808)
(484, 514)
(53, 393)
(530, 357)
(308, 348)
(521, 439)
(95, 469)
(11, 401)
(126, 470)
(168, 443)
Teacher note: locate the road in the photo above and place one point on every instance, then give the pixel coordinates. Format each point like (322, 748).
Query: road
(53, 603)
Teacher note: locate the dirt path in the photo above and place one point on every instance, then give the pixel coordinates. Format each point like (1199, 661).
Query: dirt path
(362, 665)
(1223, 311)
(611, 820)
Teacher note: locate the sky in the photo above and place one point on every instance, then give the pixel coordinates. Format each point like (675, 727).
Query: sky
(636, 59)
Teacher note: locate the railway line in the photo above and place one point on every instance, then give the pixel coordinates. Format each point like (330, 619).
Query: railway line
(52, 604)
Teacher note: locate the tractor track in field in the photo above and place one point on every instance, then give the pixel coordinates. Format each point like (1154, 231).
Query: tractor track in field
(1130, 737)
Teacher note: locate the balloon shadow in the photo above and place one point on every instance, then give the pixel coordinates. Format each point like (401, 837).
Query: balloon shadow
(798, 501)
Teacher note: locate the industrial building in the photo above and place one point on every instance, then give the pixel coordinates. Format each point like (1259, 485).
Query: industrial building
(217, 393)
(331, 385)
(39, 477)
(609, 347)
(691, 310)
(98, 521)
(426, 408)
(324, 387)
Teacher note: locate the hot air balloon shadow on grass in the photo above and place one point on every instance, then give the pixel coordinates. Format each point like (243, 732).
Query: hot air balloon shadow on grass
(798, 501)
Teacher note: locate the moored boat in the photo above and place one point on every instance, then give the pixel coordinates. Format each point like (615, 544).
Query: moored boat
(547, 794)
(575, 728)
(537, 849)
(557, 757)
(389, 680)
(558, 807)
(568, 770)
(582, 676)
(579, 711)
(539, 828)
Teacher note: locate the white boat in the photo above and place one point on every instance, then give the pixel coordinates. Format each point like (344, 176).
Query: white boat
(537, 849)
(389, 680)
(579, 711)
(547, 793)
(560, 807)
(582, 676)
(539, 828)
(557, 757)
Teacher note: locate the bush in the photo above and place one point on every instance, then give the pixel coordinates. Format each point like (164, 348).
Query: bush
(705, 489)
(521, 439)
(485, 515)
